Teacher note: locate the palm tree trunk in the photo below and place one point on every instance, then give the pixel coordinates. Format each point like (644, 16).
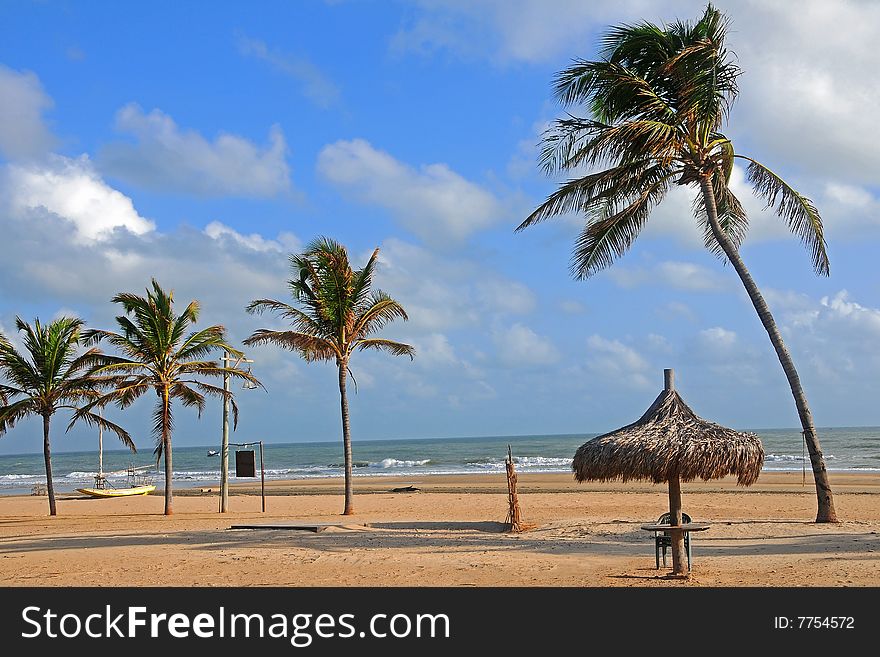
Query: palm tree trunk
(47, 455)
(346, 439)
(826, 512)
(166, 447)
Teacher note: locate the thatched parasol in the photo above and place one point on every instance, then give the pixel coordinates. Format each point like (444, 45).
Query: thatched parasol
(671, 443)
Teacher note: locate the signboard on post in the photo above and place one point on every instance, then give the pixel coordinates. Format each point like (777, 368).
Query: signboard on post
(245, 466)
(245, 463)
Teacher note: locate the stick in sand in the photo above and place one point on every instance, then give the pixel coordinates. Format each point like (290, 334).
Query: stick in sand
(513, 520)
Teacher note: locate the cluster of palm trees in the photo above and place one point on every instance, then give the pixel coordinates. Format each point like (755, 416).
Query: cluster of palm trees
(157, 349)
(656, 103)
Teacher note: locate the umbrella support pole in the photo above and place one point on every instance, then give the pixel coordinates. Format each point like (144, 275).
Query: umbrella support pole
(679, 556)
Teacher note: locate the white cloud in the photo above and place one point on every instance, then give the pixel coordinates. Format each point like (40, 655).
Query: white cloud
(840, 308)
(850, 195)
(659, 343)
(520, 346)
(811, 105)
(615, 363)
(677, 275)
(169, 159)
(432, 201)
(849, 211)
(571, 307)
(72, 190)
(441, 293)
(505, 30)
(286, 242)
(723, 354)
(505, 296)
(315, 84)
(52, 262)
(434, 349)
(23, 131)
(718, 338)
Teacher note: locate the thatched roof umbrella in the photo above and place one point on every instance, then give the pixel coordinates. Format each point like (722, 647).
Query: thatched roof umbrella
(671, 443)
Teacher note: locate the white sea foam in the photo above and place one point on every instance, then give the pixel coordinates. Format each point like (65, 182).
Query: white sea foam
(542, 462)
(774, 458)
(396, 463)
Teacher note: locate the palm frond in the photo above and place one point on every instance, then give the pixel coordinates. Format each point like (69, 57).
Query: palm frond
(220, 393)
(798, 212)
(188, 396)
(201, 343)
(610, 236)
(95, 419)
(392, 347)
(360, 291)
(301, 321)
(596, 190)
(310, 347)
(16, 411)
(380, 311)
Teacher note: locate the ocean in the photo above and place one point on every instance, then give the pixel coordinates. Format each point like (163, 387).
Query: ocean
(854, 449)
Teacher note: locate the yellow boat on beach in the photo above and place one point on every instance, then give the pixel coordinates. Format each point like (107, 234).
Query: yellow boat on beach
(139, 484)
(117, 492)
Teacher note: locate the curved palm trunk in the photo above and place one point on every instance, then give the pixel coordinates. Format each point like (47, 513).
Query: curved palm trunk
(47, 455)
(346, 439)
(166, 447)
(826, 512)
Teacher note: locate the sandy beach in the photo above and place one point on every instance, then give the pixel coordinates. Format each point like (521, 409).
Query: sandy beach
(448, 533)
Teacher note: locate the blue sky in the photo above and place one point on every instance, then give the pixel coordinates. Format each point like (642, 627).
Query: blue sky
(201, 144)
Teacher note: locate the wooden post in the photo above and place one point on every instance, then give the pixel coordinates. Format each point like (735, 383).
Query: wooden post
(669, 379)
(262, 478)
(224, 442)
(679, 556)
(513, 519)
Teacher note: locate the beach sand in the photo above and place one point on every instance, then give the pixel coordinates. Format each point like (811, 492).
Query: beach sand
(449, 533)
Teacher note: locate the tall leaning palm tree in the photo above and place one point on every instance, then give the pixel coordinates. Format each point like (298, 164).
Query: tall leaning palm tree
(657, 100)
(338, 313)
(49, 375)
(159, 352)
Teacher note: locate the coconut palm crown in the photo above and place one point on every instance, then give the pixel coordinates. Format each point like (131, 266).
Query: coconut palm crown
(339, 313)
(49, 375)
(159, 352)
(658, 99)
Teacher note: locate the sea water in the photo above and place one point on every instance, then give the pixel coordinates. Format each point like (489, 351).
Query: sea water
(855, 449)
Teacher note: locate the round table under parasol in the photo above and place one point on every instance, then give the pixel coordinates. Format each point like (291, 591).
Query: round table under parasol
(671, 443)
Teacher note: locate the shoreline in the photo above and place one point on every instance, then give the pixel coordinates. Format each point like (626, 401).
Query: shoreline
(560, 482)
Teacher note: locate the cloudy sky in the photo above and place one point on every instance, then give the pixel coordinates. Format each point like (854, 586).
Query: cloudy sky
(202, 147)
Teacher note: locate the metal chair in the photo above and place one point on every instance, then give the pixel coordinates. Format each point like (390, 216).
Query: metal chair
(663, 540)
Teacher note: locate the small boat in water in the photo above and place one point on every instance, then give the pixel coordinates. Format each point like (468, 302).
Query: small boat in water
(213, 452)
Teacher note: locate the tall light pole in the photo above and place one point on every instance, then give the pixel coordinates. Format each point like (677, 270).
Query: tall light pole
(224, 445)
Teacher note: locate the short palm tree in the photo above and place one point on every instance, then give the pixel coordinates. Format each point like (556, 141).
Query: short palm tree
(48, 376)
(658, 99)
(160, 353)
(338, 313)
